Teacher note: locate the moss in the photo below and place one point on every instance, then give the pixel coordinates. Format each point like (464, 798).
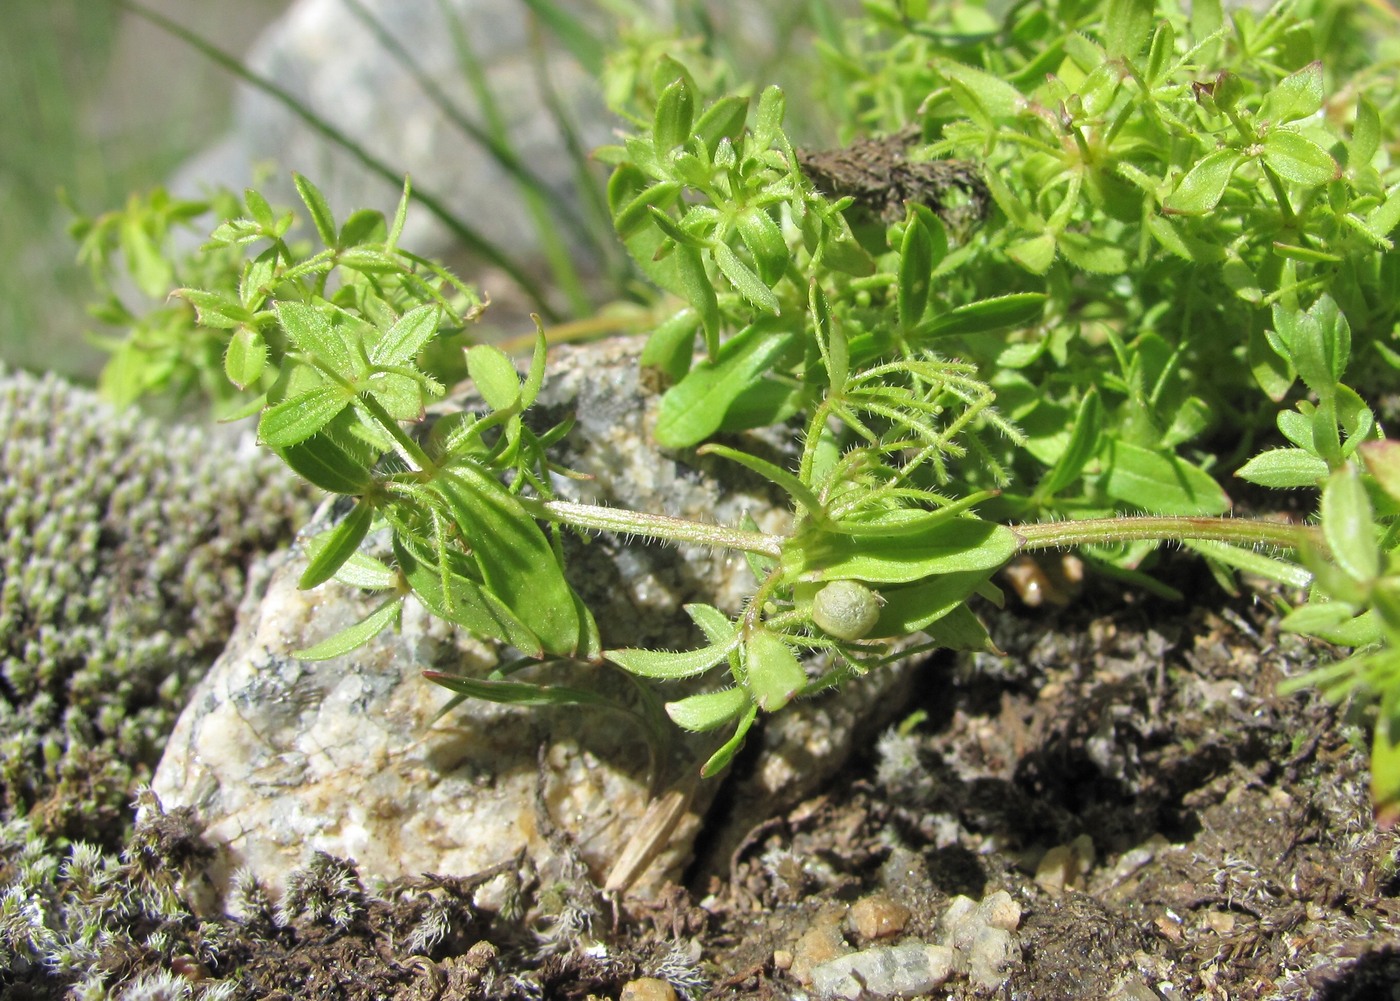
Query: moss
(126, 551)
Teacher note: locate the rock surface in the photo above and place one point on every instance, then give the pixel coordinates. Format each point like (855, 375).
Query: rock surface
(282, 756)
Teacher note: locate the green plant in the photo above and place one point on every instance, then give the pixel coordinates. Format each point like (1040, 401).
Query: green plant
(1161, 241)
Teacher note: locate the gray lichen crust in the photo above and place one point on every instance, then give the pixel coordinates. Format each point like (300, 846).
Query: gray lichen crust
(127, 548)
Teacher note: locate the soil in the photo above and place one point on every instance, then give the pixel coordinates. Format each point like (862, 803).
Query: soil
(1233, 854)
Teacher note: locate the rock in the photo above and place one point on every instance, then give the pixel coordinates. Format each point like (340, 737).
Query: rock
(1064, 866)
(818, 945)
(282, 756)
(896, 971)
(647, 989)
(878, 916)
(981, 936)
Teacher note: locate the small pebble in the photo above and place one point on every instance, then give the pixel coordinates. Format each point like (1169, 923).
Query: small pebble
(878, 916)
(782, 959)
(1000, 911)
(990, 959)
(1220, 922)
(648, 989)
(1063, 867)
(891, 971)
(819, 944)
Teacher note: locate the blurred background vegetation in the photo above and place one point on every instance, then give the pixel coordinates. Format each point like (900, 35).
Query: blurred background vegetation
(94, 104)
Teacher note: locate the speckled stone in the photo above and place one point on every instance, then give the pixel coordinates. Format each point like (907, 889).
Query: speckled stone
(282, 756)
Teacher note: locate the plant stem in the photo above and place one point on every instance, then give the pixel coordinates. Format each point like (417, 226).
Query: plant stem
(659, 526)
(409, 449)
(1237, 531)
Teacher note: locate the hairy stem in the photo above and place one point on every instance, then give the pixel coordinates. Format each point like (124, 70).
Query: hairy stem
(1237, 531)
(659, 526)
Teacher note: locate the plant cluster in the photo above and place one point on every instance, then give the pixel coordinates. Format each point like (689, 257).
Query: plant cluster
(1168, 239)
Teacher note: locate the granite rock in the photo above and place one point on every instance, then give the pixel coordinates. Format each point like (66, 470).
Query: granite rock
(282, 756)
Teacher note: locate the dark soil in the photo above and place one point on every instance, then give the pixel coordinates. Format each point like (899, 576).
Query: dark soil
(1234, 855)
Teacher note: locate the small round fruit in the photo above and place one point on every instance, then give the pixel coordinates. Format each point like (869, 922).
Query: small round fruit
(846, 609)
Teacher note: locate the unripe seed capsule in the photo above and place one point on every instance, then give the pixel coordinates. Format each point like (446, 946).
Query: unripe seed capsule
(846, 609)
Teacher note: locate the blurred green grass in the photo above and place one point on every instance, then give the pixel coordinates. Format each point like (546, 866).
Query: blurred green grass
(94, 106)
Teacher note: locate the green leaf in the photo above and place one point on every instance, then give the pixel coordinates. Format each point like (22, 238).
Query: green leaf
(310, 329)
(914, 607)
(743, 278)
(1016, 309)
(1036, 254)
(716, 626)
(1297, 158)
(1160, 54)
(364, 571)
(246, 357)
(521, 693)
(330, 464)
(338, 545)
(355, 636)
(1250, 562)
(495, 377)
(709, 710)
(1094, 254)
(960, 629)
(365, 226)
(1365, 135)
(699, 292)
(695, 407)
(1283, 468)
(1204, 184)
(667, 666)
(319, 208)
(1161, 484)
(1382, 459)
(454, 598)
(768, 122)
(1348, 525)
(918, 255)
(675, 111)
(671, 345)
(948, 546)
(516, 561)
(1082, 446)
(765, 244)
(1385, 755)
(1385, 216)
(636, 213)
(1298, 95)
(831, 338)
(789, 482)
(145, 262)
(297, 419)
(1127, 23)
(988, 99)
(721, 758)
(722, 120)
(1271, 370)
(216, 309)
(401, 344)
(773, 674)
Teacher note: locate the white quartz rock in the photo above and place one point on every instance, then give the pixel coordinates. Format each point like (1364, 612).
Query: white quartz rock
(282, 756)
